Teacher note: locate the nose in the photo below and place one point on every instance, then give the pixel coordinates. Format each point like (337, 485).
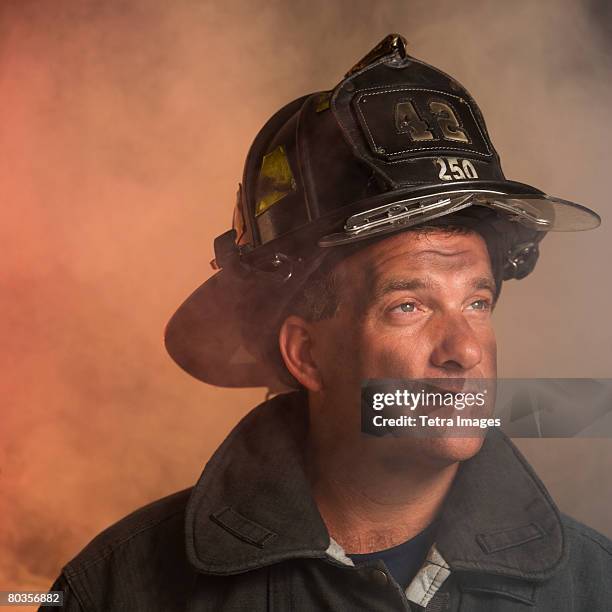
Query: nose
(457, 348)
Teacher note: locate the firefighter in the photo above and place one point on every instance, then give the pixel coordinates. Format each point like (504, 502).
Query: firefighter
(372, 232)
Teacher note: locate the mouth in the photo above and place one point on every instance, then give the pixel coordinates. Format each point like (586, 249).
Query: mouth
(448, 385)
(415, 406)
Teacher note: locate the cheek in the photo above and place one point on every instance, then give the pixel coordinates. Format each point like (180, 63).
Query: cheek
(406, 353)
(337, 352)
(394, 355)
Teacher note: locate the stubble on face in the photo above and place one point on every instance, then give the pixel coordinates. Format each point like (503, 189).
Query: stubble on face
(412, 306)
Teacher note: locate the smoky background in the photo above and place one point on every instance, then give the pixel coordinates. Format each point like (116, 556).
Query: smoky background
(124, 129)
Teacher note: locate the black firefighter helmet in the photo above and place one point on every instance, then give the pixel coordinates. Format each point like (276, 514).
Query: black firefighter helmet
(397, 143)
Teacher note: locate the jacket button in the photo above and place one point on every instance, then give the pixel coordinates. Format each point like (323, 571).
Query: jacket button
(379, 577)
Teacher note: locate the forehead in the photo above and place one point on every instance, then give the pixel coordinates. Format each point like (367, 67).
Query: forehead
(429, 253)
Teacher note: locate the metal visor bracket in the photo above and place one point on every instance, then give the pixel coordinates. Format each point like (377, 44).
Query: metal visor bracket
(535, 211)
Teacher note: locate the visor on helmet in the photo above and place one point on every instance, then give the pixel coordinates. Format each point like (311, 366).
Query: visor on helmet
(535, 211)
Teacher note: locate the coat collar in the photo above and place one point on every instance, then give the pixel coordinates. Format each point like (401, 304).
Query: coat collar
(253, 507)
(499, 518)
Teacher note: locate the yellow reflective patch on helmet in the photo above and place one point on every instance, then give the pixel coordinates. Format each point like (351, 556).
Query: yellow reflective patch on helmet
(275, 180)
(323, 102)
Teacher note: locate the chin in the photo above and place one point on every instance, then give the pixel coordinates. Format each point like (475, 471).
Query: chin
(450, 450)
(432, 452)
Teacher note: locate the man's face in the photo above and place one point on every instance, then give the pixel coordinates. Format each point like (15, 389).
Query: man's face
(415, 305)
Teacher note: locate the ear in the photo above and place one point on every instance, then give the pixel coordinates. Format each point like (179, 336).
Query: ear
(295, 340)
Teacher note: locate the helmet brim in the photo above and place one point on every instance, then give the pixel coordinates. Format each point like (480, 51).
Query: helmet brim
(204, 338)
(402, 209)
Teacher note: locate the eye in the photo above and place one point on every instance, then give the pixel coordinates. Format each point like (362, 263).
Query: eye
(405, 307)
(481, 305)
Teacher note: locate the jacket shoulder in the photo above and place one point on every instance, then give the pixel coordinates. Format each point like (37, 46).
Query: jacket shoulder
(138, 564)
(146, 522)
(587, 538)
(587, 579)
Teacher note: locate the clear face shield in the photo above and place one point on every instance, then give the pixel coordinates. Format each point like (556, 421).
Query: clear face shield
(535, 211)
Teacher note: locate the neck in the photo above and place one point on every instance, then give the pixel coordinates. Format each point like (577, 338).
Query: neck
(367, 500)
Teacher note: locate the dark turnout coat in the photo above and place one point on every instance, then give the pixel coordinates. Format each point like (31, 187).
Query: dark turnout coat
(248, 537)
